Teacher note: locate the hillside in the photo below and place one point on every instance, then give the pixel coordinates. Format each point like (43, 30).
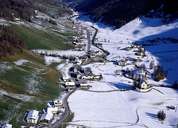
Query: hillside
(16, 8)
(26, 81)
(16, 37)
(120, 12)
(58, 70)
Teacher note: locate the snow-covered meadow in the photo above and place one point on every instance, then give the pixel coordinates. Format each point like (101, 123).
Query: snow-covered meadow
(103, 106)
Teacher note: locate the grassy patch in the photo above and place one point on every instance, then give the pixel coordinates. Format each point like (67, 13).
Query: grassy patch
(38, 39)
(13, 81)
(23, 55)
(51, 8)
(31, 79)
(50, 88)
(6, 107)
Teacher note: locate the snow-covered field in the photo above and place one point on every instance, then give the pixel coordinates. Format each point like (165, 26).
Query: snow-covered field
(102, 108)
(116, 109)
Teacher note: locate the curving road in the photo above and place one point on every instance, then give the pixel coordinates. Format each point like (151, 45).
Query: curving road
(93, 41)
(64, 116)
(66, 113)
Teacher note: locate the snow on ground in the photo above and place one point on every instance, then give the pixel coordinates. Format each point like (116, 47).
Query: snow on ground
(144, 29)
(49, 60)
(115, 109)
(102, 109)
(64, 68)
(60, 52)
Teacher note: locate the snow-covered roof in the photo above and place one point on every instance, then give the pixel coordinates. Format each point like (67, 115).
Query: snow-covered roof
(47, 116)
(52, 110)
(34, 114)
(7, 126)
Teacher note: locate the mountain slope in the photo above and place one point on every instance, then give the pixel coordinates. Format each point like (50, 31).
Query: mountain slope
(119, 12)
(26, 81)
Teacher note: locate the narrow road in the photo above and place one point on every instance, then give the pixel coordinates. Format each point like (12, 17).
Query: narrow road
(108, 91)
(66, 113)
(64, 116)
(94, 38)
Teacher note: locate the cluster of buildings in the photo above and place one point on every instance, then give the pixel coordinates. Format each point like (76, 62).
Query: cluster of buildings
(122, 62)
(79, 77)
(139, 76)
(139, 50)
(34, 117)
(86, 73)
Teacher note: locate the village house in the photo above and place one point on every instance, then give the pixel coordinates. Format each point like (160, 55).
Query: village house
(119, 72)
(99, 53)
(92, 77)
(139, 73)
(53, 110)
(6, 125)
(142, 85)
(55, 103)
(98, 77)
(48, 114)
(122, 62)
(32, 117)
(46, 117)
(88, 77)
(87, 71)
(83, 84)
(70, 83)
(53, 107)
(140, 52)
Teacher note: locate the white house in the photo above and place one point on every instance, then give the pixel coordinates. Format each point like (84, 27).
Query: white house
(7, 126)
(32, 117)
(47, 116)
(88, 77)
(55, 103)
(53, 110)
(142, 86)
(58, 103)
(71, 83)
(139, 74)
